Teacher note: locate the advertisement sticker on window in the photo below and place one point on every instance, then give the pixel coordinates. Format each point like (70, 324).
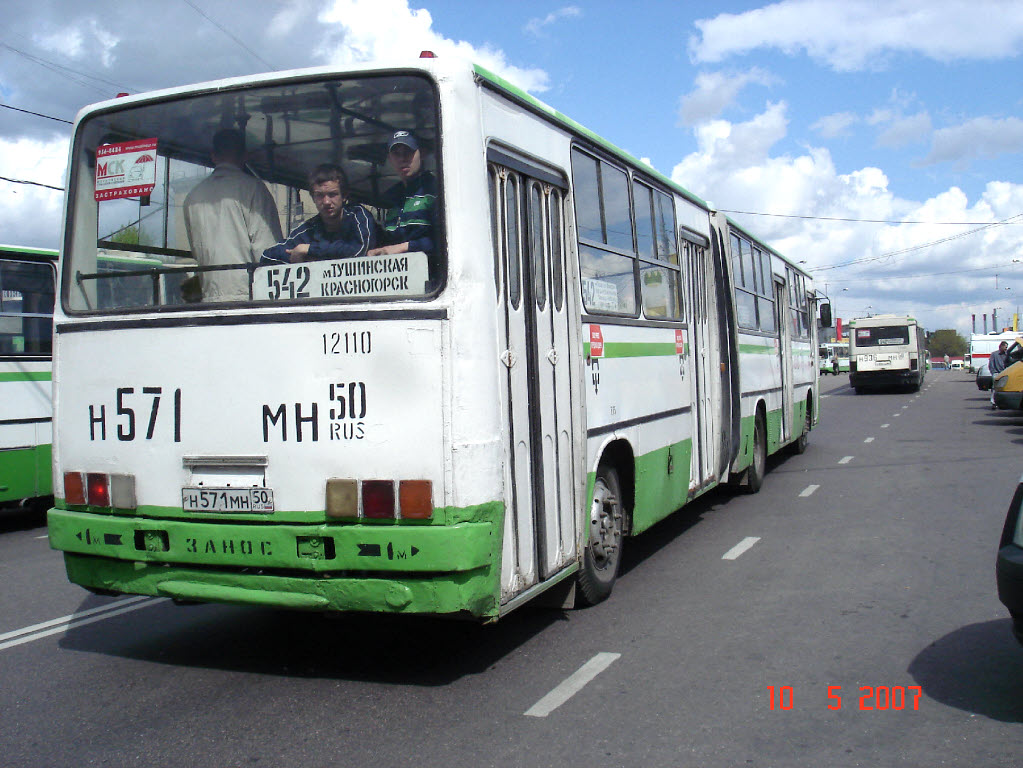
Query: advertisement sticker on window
(126, 170)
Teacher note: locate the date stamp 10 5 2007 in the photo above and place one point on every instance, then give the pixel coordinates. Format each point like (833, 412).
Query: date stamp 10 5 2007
(868, 697)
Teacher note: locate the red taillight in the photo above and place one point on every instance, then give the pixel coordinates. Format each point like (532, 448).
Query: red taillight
(416, 499)
(378, 499)
(97, 489)
(74, 488)
(427, 55)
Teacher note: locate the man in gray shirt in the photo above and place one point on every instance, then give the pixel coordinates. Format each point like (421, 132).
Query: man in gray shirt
(230, 218)
(995, 365)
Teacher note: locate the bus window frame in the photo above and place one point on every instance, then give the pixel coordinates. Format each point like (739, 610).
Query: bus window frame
(80, 183)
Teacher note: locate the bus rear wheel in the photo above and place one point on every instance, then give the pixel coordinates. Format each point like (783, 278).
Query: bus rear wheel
(603, 551)
(756, 470)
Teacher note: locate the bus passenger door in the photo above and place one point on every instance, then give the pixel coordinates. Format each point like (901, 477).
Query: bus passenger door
(707, 362)
(786, 317)
(540, 528)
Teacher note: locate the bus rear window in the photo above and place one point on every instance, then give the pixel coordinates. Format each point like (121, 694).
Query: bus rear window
(227, 197)
(882, 336)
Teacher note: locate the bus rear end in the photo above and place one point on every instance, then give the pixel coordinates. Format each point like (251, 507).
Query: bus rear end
(289, 446)
(886, 352)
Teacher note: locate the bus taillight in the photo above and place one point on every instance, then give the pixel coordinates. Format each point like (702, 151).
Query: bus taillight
(97, 489)
(414, 500)
(342, 498)
(74, 488)
(378, 499)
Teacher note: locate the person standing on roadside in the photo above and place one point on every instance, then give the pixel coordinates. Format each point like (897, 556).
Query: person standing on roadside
(995, 365)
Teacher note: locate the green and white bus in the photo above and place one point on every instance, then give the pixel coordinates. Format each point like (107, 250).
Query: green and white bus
(27, 278)
(586, 348)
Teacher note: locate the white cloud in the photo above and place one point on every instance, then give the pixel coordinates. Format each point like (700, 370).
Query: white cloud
(903, 131)
(536, 26)
(359, 36)
(31, 215)
(835, 125)
(733, 165)
(980, 137)
(716, 91)
(859, 34)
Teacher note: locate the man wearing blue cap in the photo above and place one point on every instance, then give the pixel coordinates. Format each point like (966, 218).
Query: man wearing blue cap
(411, 202)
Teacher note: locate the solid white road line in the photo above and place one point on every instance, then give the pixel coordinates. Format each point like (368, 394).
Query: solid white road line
(572, 684)
(808, 491)
(738, 549)
(92, 615)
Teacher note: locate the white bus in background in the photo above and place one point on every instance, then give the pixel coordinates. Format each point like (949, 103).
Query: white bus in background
(886, 352)
(587, 348)
(27, 278)
(834, 357)
(983, 344)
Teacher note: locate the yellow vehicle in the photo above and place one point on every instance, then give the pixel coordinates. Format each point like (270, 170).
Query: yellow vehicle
(1008, 384)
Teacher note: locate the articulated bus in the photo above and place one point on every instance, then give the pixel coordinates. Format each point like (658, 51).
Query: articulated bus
(586, 348)
(27, 279)
(886, 351)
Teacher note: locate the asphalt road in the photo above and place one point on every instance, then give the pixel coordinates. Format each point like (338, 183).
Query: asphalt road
(864, 569)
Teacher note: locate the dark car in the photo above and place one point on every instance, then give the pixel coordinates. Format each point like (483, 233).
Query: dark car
(983, 378)
(1009, 566)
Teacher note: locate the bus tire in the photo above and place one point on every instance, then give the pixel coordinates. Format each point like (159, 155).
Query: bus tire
(755, 471)
(603, 552)
(800, 443)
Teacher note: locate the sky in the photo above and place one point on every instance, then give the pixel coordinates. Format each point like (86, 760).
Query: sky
(878, 144)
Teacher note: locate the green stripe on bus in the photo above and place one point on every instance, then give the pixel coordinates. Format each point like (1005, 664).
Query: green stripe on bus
(26, 376)
(636, 349)
(757, 349)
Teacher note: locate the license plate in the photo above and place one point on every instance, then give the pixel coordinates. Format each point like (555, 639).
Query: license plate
(208, 499)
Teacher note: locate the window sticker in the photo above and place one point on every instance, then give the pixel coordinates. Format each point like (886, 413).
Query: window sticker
(126, 170)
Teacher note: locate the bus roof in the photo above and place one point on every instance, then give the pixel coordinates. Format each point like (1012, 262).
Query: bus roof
(21, 250)
(883, 319)
(429, 66)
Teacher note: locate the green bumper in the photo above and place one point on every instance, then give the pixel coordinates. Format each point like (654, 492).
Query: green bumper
(392, 568)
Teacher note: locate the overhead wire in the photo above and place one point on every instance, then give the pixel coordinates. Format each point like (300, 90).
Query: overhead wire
(251, 52)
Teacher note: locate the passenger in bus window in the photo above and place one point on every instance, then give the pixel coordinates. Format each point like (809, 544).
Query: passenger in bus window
(411, 202)
(342, 229)
(230, 218)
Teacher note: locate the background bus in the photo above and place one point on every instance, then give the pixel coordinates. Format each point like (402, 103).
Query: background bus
(27, 279)
(584, 348)
(834, 357)
(887, 351)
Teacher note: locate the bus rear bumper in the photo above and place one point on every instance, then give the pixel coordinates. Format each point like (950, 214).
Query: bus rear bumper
(381, 568)
(884, 378)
